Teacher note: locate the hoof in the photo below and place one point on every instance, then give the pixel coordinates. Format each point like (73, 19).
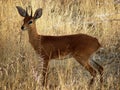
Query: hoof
(91, 82)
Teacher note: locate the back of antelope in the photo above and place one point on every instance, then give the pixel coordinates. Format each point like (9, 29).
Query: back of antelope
(78, 46)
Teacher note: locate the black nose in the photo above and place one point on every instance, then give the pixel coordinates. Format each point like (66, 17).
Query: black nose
(22, 27)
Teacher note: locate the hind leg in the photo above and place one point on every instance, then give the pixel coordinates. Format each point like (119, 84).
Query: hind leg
(85, 63)
(100, 70)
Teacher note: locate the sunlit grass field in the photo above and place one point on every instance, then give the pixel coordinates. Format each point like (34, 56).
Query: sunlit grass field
(20, 67)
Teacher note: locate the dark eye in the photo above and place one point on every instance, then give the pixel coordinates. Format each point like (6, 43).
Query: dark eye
(30, 22)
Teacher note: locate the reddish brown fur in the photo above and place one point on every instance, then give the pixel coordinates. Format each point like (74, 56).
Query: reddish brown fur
(79, 46)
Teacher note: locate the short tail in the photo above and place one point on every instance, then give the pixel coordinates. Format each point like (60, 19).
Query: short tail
(98, 44)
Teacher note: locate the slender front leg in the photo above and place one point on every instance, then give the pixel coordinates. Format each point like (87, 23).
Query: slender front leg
(45, 67)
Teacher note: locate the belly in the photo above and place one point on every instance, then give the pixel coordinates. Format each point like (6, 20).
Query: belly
(58, 54)
(62, 57)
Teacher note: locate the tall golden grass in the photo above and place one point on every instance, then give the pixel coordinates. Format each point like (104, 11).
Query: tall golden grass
(19, 65)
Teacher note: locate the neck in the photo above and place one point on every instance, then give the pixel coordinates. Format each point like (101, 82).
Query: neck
(33, 36)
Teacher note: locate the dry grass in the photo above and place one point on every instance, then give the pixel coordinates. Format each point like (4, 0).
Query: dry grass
(19, 65)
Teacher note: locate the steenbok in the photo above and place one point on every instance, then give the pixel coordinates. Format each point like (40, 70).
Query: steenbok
(78, 46)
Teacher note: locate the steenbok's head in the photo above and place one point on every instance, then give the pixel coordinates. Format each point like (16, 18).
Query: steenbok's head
(29, 20)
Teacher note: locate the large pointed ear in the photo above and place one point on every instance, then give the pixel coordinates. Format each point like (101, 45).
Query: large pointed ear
(21, 11)
(38, 13)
